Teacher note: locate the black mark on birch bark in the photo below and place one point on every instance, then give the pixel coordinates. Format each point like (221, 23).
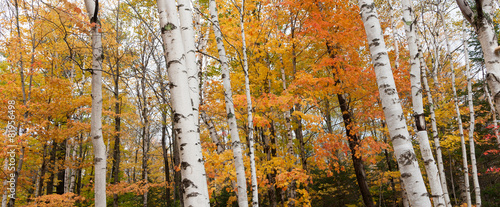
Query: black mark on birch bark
(407, 158)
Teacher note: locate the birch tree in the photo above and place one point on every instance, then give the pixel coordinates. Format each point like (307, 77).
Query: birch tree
(403, 149)
(457, 109)
(477, 190)
(437, 144)
(253, 170)
(194, 188)
(418, 109)
(187, 32)
(96, 114)
(480, 19)
(231, 117)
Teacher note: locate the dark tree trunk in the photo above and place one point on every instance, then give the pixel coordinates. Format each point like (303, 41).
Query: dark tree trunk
(115, 170)
(165, 156)
(60, 169)
(352, 139)
(50, 183)
(356, 158)
(43, 169)
(300, 136)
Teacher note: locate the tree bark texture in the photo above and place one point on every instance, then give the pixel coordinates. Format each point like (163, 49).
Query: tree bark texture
(403, 149)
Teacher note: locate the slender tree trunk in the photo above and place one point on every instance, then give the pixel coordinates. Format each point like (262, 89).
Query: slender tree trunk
(353, 140)
(50, 182)
(457, 110)
(194, 188)
(164, 136)
(145, 134)
(231, 117)
(418, 107)
(477, 190)
(116, 149)
(95, 122)
(288, 126)
(403, 149)
(255, 187)
(435, 135)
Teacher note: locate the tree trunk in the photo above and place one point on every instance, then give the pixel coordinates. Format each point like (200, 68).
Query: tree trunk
(67, 170)
(435, 135)
(145, 133)
(482, 23)
(231, 117)
(403, 149)
(187, 31)
(95, 122)
(255, 187)
(353, 140)
(50, 182)
(477, 190)
(163, 93)
(418, 107)
(195, 191)
(116, 149)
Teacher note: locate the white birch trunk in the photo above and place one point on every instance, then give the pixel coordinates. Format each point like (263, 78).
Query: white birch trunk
(67, 170)
(96, 114)
(187, 32)
(231, 117)
(481, 21)
(418, 109)
(73, 172)
(477, 190)
(288, 126)
(437, 145)
(195, 191)
(457, 110)
(403, 149)
(253, 169)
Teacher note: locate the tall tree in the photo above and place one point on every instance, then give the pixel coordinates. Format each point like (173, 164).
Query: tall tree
(230, 113)
(194, 188)
(418, 106)
(253, 170)
(477, 191)
(95, 122)
(403, 149)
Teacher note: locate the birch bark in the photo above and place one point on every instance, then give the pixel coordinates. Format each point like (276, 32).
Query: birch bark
(418, 109)
(253, 170)
(231, 117)
(482, 22)
(96, 114)
(187, 31)
(194, 188)
(437, 145)
(457, 110)
(477, 190)
(403, 149)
